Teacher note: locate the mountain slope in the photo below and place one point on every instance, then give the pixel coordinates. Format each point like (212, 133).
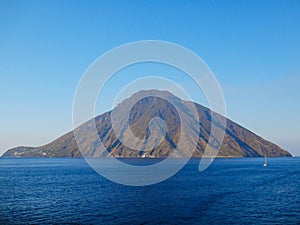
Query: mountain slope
(238, 141)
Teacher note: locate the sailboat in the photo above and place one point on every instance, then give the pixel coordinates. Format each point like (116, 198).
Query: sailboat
(265, 163)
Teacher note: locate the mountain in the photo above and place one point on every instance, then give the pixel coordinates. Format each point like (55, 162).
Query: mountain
(238, 141)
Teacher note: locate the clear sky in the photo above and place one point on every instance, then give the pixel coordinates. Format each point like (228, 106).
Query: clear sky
(252, 47)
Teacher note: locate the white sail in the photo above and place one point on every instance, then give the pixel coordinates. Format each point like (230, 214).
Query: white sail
(265, 164)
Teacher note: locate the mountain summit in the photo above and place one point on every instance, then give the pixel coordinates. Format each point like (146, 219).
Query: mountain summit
(238, 141)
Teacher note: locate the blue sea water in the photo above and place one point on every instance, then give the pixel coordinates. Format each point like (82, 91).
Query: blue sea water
(230, 191)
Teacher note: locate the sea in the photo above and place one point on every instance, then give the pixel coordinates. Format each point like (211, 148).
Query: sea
(230, 191)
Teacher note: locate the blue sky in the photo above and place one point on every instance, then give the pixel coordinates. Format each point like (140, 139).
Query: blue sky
(252, 47)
